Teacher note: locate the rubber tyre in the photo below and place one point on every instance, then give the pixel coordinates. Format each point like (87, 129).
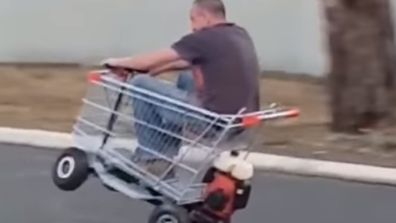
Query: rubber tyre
(168, 213)
(71, 169)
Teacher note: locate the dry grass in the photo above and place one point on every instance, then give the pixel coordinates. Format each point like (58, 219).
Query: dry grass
(45, 98)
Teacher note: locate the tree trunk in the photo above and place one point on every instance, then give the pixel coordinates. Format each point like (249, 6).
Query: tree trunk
(362, 51)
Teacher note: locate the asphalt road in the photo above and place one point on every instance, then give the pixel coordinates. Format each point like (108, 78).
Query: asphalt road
(27, 195)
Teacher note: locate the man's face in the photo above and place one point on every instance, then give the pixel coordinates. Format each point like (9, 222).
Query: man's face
(198, 19)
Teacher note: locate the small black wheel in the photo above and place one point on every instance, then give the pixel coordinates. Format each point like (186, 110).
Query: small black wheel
(169, 213)
(71, 169)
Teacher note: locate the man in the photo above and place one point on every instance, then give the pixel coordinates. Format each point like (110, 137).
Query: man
(224, 75)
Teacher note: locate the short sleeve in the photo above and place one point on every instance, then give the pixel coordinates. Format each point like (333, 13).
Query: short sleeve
(190, 47)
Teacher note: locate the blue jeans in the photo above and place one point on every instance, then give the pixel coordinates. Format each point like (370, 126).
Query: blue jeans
(154, 114)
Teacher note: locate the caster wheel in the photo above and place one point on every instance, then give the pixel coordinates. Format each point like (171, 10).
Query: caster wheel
(71, 170)
(168, 213)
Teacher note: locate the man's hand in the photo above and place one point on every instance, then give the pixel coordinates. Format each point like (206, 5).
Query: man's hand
(117, 62)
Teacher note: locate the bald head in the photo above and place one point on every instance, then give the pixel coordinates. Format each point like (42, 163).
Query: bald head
(206, 13)
(214, 7)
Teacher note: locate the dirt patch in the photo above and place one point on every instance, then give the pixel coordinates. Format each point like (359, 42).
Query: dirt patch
(44, 97)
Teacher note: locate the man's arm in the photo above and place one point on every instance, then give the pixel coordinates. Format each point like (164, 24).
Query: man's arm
(172, 66)
(189, 49)
(148, 61)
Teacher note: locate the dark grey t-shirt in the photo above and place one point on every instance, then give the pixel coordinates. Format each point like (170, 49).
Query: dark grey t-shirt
(225, 67)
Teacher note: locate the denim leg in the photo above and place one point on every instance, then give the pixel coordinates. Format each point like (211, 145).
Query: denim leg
(186, 82)
(153, 113)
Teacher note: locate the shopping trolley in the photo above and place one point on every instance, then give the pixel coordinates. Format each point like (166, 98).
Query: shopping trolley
(192, 170)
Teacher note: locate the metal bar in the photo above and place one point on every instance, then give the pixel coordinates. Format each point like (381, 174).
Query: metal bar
(155, 95)
(79, 131)
(113, 118)
(264, 117)
(100, 107)
(241, 115)
(150, 179)
(222, 135)
(172, 101)
(152, 152)
(121, 186)
(191, 145)
(95, 126)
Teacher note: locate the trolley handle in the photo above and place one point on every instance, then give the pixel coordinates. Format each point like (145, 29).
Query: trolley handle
(281, 114)
(122, 72)
(257, 118)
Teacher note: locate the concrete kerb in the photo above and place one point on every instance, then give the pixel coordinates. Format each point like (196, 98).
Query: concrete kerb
(261, 161)
(35, 138)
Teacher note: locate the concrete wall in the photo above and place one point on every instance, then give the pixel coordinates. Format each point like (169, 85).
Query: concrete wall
(287, 33)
